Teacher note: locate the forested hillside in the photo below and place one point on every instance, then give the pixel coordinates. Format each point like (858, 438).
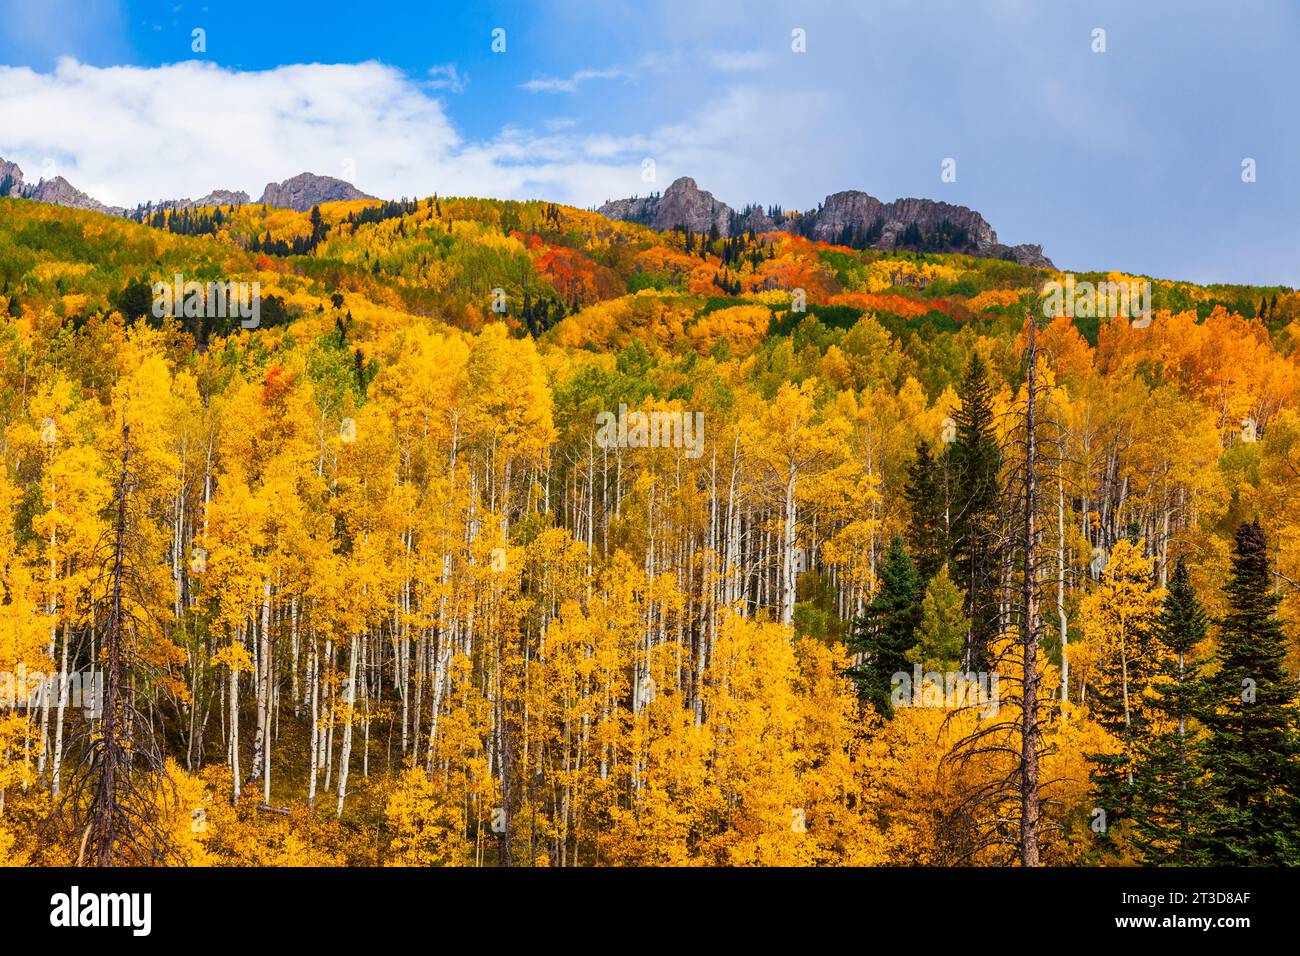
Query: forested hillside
(368, 583)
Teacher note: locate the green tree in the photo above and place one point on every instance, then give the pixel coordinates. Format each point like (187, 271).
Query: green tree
(1251, 752)
(927, 529)
(976, 461)
(887, 630)
(942, 632)
(1167, 801)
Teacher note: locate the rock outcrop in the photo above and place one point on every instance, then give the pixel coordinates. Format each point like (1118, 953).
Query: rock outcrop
(307, 189)
(683, 204)
(851, 218)
(218, 197)
(222, 197)
(299, 193)
(60, 192)
(11, 178)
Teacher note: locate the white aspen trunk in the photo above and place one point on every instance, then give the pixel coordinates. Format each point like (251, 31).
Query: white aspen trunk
(262, 669)
(234, 730)
(788, 548)
(293, 643)
(327, 741)
(313, 690)
(349, 701)
(439, 679)
(63, 704)
(1060, 590)
(54, 631)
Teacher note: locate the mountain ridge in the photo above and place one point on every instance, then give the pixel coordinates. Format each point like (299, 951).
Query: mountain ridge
(298, 193)
(850, 217)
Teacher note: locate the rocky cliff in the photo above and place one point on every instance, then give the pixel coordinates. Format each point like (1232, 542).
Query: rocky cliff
(851, 218)
(299, 193)
(307, 189)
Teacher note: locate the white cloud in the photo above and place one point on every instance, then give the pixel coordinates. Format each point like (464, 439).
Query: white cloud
(553, 84)
(128, 134)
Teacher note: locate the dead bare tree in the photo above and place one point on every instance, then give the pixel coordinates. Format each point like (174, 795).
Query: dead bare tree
(119, 781)
(1006, 808)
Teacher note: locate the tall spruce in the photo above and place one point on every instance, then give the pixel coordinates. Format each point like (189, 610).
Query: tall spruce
(1251, 750)
(1168, 805)
(976, 461)
(927, 529)
(887, 630)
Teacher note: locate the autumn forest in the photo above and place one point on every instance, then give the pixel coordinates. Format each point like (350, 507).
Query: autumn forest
(511, 535)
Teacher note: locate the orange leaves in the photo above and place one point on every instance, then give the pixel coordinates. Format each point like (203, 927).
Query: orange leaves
(575, 276)
(795, 267)
(278, 383)
(901, 305)
(659, 258)
(1226, 361)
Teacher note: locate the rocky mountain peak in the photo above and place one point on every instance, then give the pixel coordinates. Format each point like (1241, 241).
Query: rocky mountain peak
(59, 192)
(299, 193)
(307, 189)
(851, 218)
(683, 204)
(11, 178)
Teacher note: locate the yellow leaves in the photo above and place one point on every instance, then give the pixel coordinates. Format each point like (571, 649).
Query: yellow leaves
(10, 853)
(743, 326)
(1117, 616)
(53, 271)
(1278, 492)
(18, 736)
(427, 821)
(749, 700)
(889, 273)
(151, 402)
(1125, 598)
(993, 298)
(510, 398)
(840, 811)
(499, 242)
(284, 225)
(244, 835)
(791, 433)
(871, 352)
(181, 805)
(24, 627)
(232, 572)
(613, 323)
(674, 796)
(73, 304)
(235, 657)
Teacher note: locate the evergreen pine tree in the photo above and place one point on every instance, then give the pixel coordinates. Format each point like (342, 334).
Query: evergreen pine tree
(1167, 800)
(976, 460)
(1251, 752)
(926, 531)
(887, 630)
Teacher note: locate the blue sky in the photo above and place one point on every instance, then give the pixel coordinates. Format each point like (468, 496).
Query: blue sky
(1128, 159)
